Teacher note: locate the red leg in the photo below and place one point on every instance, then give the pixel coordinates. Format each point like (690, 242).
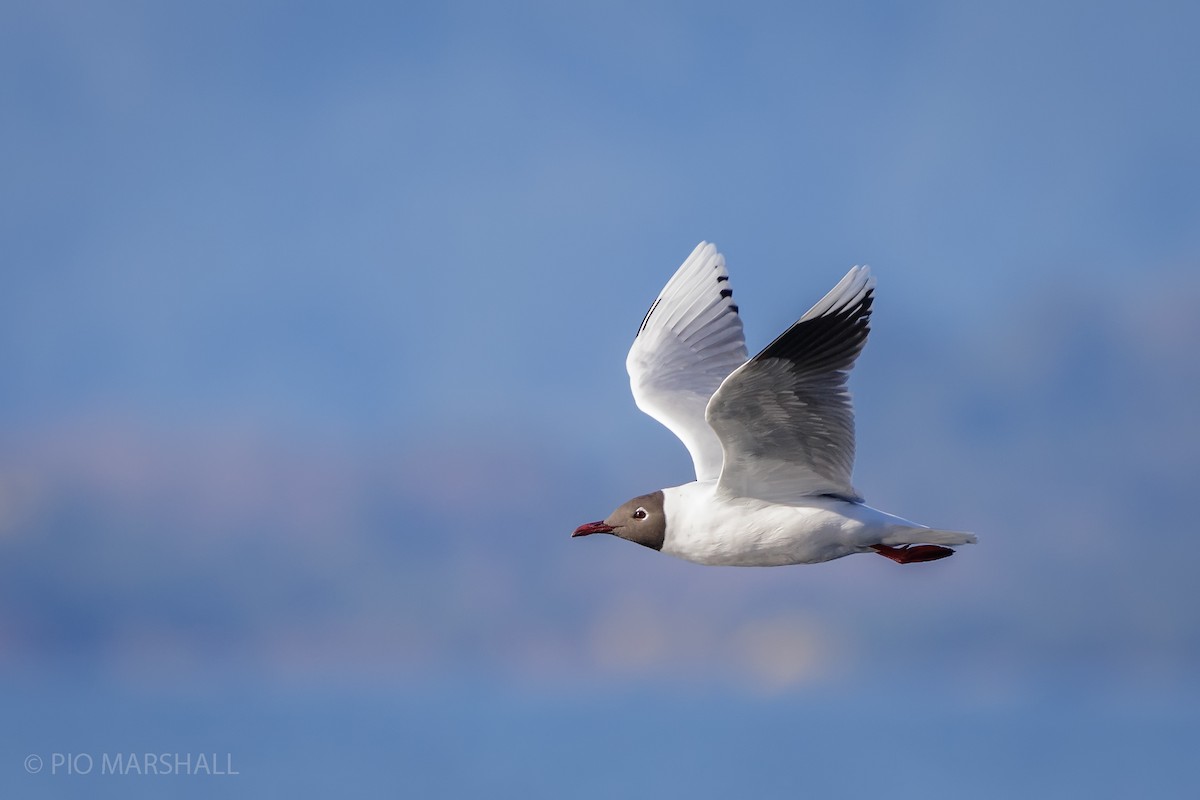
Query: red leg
(913, 554)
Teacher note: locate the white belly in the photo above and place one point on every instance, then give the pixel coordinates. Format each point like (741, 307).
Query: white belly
(753, 533)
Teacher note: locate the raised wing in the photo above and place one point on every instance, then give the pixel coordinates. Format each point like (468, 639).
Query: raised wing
(784, 417)
(689, 341)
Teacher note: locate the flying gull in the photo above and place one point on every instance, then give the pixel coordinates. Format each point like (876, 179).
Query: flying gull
(771, 438)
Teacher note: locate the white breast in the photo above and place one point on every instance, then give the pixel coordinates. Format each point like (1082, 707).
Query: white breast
(709, 529)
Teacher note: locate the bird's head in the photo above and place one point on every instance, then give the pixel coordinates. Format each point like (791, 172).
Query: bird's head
(640, 520)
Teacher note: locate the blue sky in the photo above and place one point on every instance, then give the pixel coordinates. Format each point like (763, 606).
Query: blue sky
(314, 323)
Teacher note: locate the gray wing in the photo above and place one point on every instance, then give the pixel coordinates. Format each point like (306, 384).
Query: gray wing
(784, 417)
(690, 340)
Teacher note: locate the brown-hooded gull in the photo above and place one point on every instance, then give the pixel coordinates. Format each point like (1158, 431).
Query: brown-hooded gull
(771, 438)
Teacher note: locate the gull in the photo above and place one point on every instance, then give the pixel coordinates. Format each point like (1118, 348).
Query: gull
(771, 437)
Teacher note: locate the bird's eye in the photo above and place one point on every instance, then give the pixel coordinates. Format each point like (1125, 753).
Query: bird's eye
(640, 513)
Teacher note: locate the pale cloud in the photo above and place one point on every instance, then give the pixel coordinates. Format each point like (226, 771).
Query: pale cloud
(784, 652)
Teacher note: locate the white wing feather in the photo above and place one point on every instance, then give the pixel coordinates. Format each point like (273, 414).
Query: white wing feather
(689, 342)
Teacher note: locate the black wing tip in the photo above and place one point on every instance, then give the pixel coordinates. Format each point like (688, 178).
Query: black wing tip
(830, 341)
(717, 264)
(727, 294)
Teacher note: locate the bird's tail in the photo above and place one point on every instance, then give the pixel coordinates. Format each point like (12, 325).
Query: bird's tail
(935, 536)
(919, 535)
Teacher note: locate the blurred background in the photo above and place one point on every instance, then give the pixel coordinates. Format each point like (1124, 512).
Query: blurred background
(313, 324)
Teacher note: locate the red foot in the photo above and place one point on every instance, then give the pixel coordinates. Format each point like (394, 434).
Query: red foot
(913, 554)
